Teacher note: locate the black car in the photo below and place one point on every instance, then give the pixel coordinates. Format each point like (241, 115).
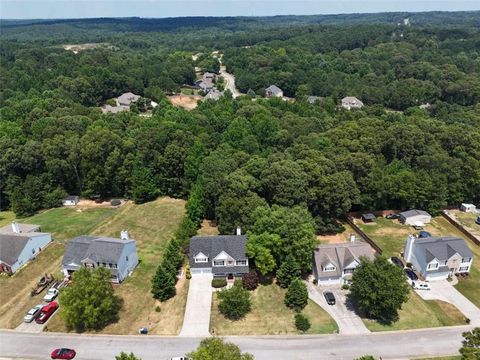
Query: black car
(411, 274)
(393, 216)
(478, 220)
(396, 261)
(329, 297)
(424, 234)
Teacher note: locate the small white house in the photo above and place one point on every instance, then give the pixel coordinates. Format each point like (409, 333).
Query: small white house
(351, 102)
(19, 243)
(468, 208)
(415, 217)
(70, 201)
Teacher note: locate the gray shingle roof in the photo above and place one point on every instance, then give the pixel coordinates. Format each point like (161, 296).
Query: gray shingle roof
(72, 198)
(11, 246)
(98, 249)
(274, 89)
(211, 246)
(127, 98)
(414, 212)
(442, 248)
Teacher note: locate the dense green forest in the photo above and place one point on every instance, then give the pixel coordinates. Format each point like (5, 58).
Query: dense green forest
(232, 157)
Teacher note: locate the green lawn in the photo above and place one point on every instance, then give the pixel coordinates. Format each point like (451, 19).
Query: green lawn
(188, 91)
(270, 316)
(417, 313)
(151, 225)
(63, 223)
(468, 220)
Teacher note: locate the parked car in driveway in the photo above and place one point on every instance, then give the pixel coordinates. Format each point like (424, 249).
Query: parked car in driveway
(411, 274)
(52, 293)
(477, 221)
(393, 216)
(63, 353)
(329, 297)
(32, 313)
(46, 312)
(420, 285)
(424, 234)
(396, 261)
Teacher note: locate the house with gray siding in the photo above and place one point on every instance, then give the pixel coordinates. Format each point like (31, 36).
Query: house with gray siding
(437, 258)
(335, 263)
(20, 243)
(273, 91)
(117, 255)
(220, 255)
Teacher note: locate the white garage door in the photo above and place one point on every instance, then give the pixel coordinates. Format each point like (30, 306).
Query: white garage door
(201, 271)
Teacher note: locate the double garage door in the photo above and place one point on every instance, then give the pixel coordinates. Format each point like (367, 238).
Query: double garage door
(200, 270)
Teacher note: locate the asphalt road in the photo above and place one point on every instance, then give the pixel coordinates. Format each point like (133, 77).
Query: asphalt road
(230, 82)
(388, 345)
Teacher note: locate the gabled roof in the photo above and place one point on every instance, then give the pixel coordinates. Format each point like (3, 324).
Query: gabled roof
(413, 212)
(442, 248)
(71, 198)
(211, 246)
(127, 98)
(351, 101)
(11, 246)
(98, 249)
(274, 89)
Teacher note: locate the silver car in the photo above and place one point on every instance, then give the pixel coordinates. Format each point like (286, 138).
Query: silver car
(32, 313)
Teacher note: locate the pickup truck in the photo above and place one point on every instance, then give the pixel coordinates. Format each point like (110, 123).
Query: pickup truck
(52, 293)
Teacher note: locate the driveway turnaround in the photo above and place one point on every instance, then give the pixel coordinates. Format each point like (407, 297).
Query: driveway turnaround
(196, 320)
(388, 345)
(348, 322)
(443, 290)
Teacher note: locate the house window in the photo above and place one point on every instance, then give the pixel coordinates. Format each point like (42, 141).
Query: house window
(115, 266)
(463, 268)
(33, 251)
(329, 268)
(104, 264)
(432, 266)
(126, 258)
(110, 265)
(348, 271)
(218, 262)
(466, 260)
(201, 260)
(241, 262)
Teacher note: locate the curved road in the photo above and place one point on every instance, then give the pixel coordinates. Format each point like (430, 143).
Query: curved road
(230, 82)
(388, 345)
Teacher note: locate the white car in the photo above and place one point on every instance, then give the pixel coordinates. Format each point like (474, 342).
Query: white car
(420, 285)
(32, 313)
(51, 295)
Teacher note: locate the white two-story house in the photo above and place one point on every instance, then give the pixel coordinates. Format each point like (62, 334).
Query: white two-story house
(436, 258)
(221, 255)
(335, 263)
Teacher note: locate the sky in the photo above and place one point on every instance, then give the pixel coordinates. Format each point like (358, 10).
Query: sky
(55, 9)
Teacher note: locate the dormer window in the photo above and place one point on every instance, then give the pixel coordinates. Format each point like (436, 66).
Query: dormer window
(200, 258)
(432, 266)
(329, 267)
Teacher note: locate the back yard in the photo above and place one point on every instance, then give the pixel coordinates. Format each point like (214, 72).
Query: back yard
(151, 225)
(270, 316)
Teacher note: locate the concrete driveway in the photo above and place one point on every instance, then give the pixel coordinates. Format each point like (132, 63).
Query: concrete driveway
(347, 320)
(443, 290)
(196, 321)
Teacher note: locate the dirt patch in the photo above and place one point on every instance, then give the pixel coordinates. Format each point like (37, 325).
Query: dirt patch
(208, 227)
(89, 204)
(338, 238)
(76, 48)
(188, 102)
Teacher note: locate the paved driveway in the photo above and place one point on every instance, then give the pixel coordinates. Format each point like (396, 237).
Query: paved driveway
(196, 321)
(347, 320)
(443, 290)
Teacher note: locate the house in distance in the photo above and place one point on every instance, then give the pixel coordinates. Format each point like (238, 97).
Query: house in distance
(351, 102)
(117, 255)
(70, 200)
(273, 91)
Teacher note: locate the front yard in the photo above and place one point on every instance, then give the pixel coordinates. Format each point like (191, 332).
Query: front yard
(151, 225)
(417, 313)
(270, 316)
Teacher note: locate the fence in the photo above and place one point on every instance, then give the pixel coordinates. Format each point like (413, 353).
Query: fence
(367, 238)
(464, 231)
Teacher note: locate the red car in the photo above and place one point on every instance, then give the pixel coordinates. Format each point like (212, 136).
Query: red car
(46, 312)
(63, 354)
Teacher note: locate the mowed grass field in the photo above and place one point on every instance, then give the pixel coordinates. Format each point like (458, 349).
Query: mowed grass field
(63, 223)
(270, 316)
(151, 225)
(417, 313)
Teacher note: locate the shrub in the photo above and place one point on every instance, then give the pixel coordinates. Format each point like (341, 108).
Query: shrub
(288, 271)
(302, 323)
(234, 303)
(188, 274)
(219, 283)
(315, 281)
(157, 308)
(297, 295)
(163, 284)
(250, 280)
(345, 286)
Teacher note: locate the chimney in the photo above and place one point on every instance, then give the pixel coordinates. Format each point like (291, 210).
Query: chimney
(409, 248)
(124, 235)
(15, 227)
(239, 231)
(352, 238)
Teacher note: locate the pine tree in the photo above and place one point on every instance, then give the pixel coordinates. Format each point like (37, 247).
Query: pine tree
(163, 284)
(288, 271)
(297, 295)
